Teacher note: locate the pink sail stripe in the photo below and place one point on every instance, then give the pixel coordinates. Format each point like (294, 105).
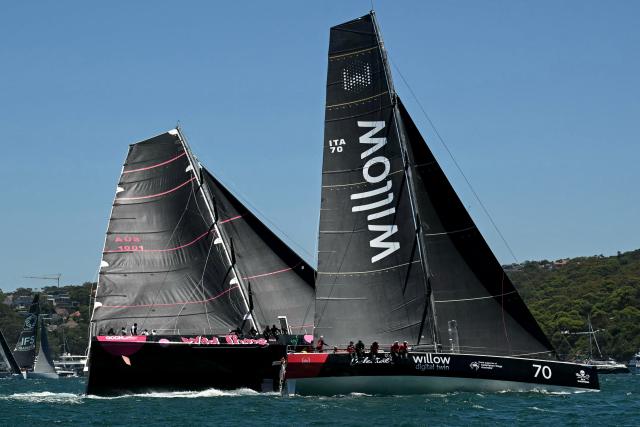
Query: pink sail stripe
(163, 250)
(173, 303)
(231, 219)
(271, 273)
(156, 165)
(159, 194)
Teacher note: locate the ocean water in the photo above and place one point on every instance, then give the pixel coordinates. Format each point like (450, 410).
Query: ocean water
(62, 402)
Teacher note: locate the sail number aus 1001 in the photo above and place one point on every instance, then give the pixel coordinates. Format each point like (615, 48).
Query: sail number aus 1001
(542, 369)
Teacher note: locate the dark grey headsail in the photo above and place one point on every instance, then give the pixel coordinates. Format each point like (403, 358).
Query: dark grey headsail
(44, 362)
(181, 251)
(25, 350)
(6, 357)
(399, 258)
(282, 283)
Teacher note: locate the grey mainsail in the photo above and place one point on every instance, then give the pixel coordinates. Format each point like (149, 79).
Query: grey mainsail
(181, 250)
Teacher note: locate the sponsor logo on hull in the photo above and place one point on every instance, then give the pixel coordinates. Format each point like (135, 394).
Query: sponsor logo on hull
(429, 362)
(485, 365)
(228, 339)
(582, 377)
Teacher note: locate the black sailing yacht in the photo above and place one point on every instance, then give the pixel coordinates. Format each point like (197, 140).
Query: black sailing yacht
(32, 365)
(400, 259)
(8, 365)
(184, 264)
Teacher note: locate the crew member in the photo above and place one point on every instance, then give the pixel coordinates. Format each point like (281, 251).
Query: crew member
(134, 329)
(373, 351)
(403, 350)
(253, 332)
(320, 344)
(360, 350)
(351, 349)
(395, 351)
(275, 331)
(266, 333)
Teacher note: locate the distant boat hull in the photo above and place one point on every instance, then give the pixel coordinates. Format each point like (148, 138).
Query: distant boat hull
(127, 367)
(610, 368)
(42, 375)
(332, 374)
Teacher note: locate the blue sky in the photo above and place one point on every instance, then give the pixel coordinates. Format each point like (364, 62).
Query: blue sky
(539, 102)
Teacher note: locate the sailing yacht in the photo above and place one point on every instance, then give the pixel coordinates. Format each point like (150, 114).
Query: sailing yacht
(30, 364)
(188, 277)
(43, 366)
(8, 365)
(601, 364)
(400, 259)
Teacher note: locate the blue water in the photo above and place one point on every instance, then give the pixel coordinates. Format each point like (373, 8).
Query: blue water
(62, 402)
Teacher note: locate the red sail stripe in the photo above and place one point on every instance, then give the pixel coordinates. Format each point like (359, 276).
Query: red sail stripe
(156, 165)
(164, 250)
(271, 273)
(173, 303)
(231, 219)
(159, 194)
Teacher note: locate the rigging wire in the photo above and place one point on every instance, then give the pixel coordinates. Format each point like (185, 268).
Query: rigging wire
(455, 162)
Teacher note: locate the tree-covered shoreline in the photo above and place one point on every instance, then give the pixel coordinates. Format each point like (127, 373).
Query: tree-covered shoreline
(561, 295)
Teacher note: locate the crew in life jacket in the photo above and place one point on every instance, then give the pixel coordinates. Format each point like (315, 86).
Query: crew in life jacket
(403, 351)
(320, 344)
(395, 351)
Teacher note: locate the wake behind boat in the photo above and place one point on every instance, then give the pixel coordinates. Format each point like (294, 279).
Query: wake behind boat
(185, 263)
(400, 259)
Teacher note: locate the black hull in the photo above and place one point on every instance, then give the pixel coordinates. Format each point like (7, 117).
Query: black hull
(330, 374)
(117, 368)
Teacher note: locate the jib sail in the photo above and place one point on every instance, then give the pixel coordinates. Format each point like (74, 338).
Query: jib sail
(281, 282)
(399, 258)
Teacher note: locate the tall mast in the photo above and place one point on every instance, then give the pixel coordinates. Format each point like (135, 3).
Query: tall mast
(196, 172)
(407, 161)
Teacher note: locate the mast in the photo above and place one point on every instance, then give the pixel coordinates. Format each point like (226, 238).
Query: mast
(196, 172)
(407, 167)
